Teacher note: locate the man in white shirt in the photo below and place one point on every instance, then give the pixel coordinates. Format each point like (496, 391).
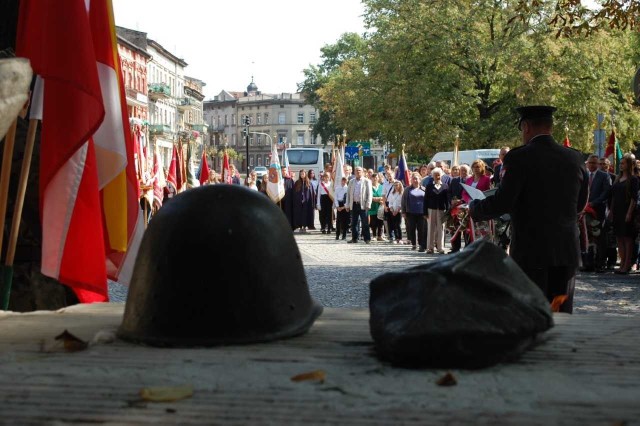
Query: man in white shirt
(359, 199)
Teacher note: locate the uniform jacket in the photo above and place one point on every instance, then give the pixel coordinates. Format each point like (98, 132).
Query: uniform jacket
(366, 197)
(599, 192)
(544, 186)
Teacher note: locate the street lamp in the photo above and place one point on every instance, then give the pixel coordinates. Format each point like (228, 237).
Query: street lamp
(246, 120)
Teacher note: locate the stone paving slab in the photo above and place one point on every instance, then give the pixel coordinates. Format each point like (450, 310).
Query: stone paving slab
(339, 274)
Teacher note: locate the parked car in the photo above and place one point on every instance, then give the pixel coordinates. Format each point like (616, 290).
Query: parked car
(260, 171)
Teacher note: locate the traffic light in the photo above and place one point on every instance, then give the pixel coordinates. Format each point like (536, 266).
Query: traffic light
(245, 133)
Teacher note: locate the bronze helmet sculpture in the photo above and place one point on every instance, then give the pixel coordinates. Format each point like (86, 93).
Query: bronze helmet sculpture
(217, 265)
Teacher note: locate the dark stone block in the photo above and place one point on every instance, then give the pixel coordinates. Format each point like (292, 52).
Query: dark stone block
(468, 310)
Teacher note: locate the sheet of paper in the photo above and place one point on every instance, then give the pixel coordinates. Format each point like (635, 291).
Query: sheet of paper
(474, 193)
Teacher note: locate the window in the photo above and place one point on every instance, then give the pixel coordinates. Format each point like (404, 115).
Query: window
(259, 160)
(259, 141)
(314, 141)
(251, 140)
(259, 120)
(233, 119)
(251, 161)
(300, 117)
(300, 139)
(266, 118)
(281, 118)
(233, 139)
(312, 117)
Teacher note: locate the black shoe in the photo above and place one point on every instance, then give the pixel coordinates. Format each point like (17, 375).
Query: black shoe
(337, 237)
(344, 237)
(600, 271)
(352, 241)
(422, 250)
(367, 241)
(587, 269)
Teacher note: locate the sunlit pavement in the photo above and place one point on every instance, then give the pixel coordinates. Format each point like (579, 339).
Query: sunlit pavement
(338, 275)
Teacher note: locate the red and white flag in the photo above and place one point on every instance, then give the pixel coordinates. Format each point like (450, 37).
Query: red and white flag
(88, 184)
(159, 181)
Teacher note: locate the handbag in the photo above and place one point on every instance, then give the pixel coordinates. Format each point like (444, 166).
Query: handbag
(380, 213)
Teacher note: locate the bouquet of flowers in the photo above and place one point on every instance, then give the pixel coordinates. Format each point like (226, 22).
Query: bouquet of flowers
(458, 222)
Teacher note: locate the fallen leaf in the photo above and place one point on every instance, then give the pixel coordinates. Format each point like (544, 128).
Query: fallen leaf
(447, 380)
(166, 393)
(71, 343)
(317, 375)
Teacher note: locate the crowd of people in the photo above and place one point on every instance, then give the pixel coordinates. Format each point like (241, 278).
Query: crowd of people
(375, 206)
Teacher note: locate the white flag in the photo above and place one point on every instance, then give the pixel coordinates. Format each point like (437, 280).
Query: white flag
(339, 170)
(275, 183)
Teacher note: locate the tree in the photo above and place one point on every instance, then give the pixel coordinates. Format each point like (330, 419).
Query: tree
(431, 70)
(571, 17)
(349, 46)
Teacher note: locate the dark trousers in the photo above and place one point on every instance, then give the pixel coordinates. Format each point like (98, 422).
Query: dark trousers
(342, 223)
(395, 231)
(376, 225)
(358, 212)
(555, 281)
(416, 225)
(326, 207)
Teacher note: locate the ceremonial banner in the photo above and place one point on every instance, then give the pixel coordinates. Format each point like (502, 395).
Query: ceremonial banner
(285, 164)
(613, 151)
(275, 183)
(403, 172)
(192, 182)
(181, 176)
(226, 171)
(339, 170)
(204, 168)
(159, 181)
(172, 175)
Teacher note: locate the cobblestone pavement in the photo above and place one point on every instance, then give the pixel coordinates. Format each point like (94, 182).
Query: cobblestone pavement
(339, 274)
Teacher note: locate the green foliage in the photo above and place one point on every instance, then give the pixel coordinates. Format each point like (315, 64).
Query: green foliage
(429, 70)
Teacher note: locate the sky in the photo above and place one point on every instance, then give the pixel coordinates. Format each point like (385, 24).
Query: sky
(225, 42)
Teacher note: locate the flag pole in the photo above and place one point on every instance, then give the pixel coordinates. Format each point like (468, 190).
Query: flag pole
(5, 175)
(7, 275)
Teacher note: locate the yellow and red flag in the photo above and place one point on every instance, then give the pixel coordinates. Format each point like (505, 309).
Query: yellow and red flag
(88, 184)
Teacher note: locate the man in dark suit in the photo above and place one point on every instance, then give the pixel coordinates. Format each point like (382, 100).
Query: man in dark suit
(543, 187)
(612, 252)
(599, 188)
(498, 168)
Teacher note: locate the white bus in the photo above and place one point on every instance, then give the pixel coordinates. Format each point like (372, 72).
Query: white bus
(468, 157)
(307, 159)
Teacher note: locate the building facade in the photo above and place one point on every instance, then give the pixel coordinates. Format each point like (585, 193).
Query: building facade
(174, 101)
(284, 118)
(133, 65)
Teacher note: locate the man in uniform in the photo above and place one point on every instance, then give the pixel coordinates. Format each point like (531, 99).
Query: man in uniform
(543, 187)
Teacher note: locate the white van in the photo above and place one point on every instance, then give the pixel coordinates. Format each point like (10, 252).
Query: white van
(468, 157)
(307, 159)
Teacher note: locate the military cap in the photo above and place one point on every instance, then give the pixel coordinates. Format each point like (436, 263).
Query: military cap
(535, 112)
